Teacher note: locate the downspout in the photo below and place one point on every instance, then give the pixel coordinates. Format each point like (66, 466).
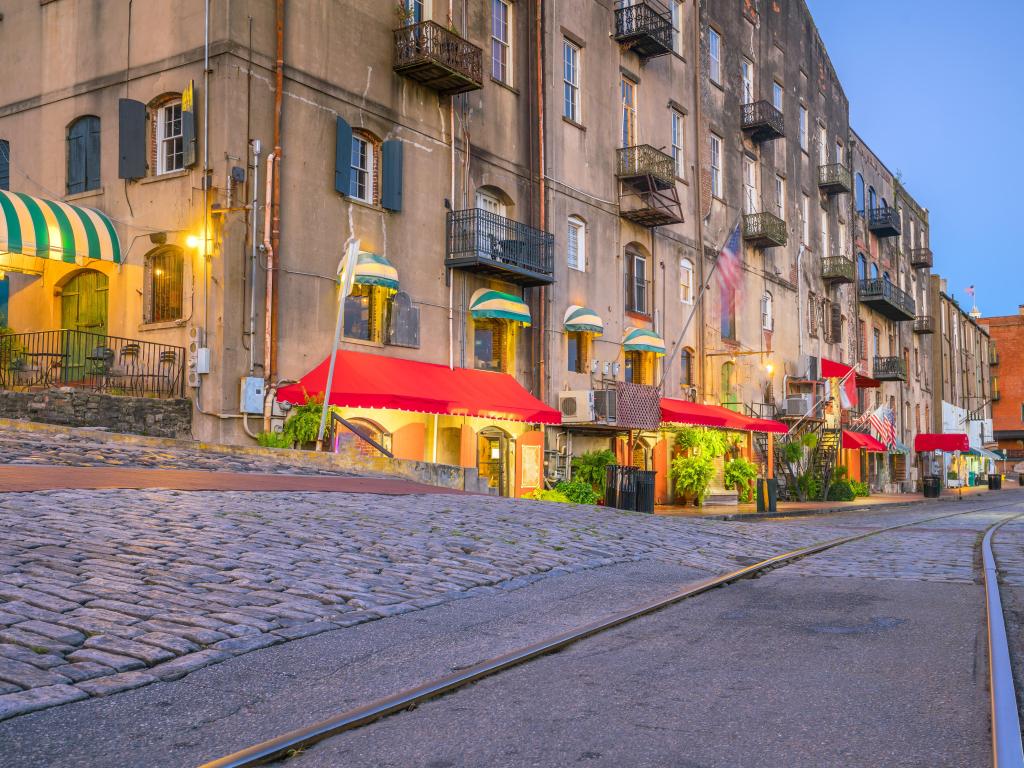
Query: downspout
(275, 232)
(268, 247)
(451, 273)
(698, 112)
(542, 190)
(256, 148)
(206, 172)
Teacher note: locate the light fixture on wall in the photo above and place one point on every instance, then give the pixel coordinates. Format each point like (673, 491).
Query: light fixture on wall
(192, 241)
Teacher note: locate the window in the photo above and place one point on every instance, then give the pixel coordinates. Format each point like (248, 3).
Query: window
(862, 340)
(747, 81)
(805, 211)
(825, 244)
(839, 152)
(803, 127)
(876, 343)
(639, 368)
(728, 383)
(727, 318)
(162, 288)
(767, 319)
(862, 266)
(749, 186)
(490, 203)
(812, 315)
(678, 156)
(491, 344)
(5, 164)
(677, 26)
(822, 145)
(83, 155)
(842, 238)
(780, 197)
(715, 54)
(362, 178)
(170, 139)
(413, 12)
(577, 351)
(872, 199)
(362, 313)
(716, 165)
(686, 363)
(636, 283)
(777, 92)
(859, 194)
(501, 42)
(686, 281)
(577, 244)
(571, 81)
(874, 271)
(628, 93)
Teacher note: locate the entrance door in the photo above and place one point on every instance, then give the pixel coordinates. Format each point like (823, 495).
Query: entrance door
(492, 459)
(83, 307)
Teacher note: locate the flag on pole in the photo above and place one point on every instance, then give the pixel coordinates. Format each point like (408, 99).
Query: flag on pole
(729, 267)
(848, 390)
(347, 267)
(970, 291)
(883, 422)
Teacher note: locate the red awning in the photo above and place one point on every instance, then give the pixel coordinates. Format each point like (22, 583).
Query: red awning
(854, 440)
(830, 369)
(363, 380)
(675, 411)
(942, 442)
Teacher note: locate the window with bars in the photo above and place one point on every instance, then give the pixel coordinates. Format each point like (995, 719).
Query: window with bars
(163, 283)
(812, 316)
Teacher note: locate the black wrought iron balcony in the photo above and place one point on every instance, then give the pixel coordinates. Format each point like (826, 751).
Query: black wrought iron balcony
(647, 195)
(437, 57)
(888, 300)
(638, 295)
(884, 221)
(838, 269)
(921, 258)
(636, 164)
(764, 230)
(924, 324)
(834, 179)
(645, 26)
(763, 121)
(484, 242)
(889, 369)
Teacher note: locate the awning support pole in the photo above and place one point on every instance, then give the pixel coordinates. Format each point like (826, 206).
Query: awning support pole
(346, 271)
(434, 459)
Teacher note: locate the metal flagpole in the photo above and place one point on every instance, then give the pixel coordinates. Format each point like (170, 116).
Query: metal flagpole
(346, 273)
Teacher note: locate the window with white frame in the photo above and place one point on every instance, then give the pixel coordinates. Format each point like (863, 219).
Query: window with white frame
(501, 41)
(822, 145)
(749, 186)
(677, 26)
(842, 238)
(825, 244)
(678, 156)
(571, 81)
(767, 321)
(839, 152)
(777, 92)
(627, 90)
(170, 139)
(715, 54)
(577, 244)
(803, 127)
(362, 178)
(747, 81)
(805, 212)
(780, 197)
(686, 281)
(716, 164)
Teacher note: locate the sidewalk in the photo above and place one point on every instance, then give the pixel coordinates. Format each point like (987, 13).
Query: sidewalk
(806, 508)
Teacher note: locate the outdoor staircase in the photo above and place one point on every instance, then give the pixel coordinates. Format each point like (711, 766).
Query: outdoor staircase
(822, 462)
(826, 454)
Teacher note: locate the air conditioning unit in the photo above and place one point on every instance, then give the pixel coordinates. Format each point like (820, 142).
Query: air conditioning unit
(577, 407)
(606, 405)
(812, 367)
(798, 405)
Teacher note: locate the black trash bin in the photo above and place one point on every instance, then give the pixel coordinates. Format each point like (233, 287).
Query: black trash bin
(629, 488)
(767, 495)
(932, 487)
(995, 482)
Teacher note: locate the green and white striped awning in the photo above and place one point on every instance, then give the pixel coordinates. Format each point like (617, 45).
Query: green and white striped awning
(35, 228)
(500, 306)
(643, 340)
(582, 320)
(374, 269)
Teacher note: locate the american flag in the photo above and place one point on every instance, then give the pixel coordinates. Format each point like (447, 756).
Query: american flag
(970, 291)
(729, 267)
(883, 422)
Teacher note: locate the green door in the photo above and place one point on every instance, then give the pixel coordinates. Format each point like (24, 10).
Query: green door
(83, 307)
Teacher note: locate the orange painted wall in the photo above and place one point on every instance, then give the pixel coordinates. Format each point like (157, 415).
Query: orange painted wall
(467, 455)
(534, 438)
(661, 470)
(410, 442)
(851, 460)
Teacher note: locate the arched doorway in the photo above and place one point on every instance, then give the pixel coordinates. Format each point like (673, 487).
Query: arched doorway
(83, 302)
(493, 460)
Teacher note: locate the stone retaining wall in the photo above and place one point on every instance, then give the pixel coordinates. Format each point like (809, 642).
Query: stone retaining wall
(77, 408)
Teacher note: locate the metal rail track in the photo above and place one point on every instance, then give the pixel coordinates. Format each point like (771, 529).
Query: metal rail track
(281, 746)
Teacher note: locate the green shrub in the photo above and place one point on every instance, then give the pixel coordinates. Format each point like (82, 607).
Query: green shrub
(577, 491)
(274, 440)
(303, 424)
(809, 486)
(810, 440)
(839, 473)
(692, 475)
(860, 489)
(591, 468)
(542, 494)
(710, 443)
(841, 490)
(792, 451)
(738, 474)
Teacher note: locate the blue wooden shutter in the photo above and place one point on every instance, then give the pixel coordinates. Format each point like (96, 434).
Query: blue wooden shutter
(92, 152)
(76, 156)
(131, 139)
(343, 158)
(5, 164)
(391, 177)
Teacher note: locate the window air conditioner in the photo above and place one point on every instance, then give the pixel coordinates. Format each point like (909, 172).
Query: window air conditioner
(607, 405)
(798, 405)
(576, 407)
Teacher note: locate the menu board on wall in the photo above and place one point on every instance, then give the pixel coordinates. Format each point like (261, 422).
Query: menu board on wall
(531, 457)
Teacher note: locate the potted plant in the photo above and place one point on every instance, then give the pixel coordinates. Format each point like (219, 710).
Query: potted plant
(693, 476)
(740, 474)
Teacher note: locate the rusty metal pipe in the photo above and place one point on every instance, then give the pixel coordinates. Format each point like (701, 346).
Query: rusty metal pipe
(275, 232)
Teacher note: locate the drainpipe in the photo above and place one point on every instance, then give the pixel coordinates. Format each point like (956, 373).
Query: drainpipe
(268, 248)
(206, 171)
(275, 233)
(256, 147)
(542, 309)
(697, 189)
(451, 273)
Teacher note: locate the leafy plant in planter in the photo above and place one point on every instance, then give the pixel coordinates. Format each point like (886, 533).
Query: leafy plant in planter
(591, 468)
(692, 476)
(738, 474)
(809, 486)
(274, 440)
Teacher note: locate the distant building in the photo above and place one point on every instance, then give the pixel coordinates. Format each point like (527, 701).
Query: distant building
(1007, 393)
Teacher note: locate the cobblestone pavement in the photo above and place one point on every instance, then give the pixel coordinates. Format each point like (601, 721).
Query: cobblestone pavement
(104, 591)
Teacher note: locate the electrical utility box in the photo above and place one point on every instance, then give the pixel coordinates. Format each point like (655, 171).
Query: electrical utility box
(251, 398)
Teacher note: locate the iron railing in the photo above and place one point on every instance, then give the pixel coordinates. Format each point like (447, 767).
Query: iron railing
(763, 120)
(921, 258)
(476, 235)
(638, 293)
(880, 288)
(645, 24)
(838, 268)
(924, 324)
(438, 57)
(889, 369)
(764, 229)
(645, 160)
(82, 359)
(884, 221)
(835, 177)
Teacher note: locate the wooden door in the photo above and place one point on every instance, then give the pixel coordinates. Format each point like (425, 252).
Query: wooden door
(83, 307)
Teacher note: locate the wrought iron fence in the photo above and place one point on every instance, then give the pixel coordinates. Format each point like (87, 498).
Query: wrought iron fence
(885, 218)
(888, 368)
(921, 258)
(645, 160)
(429, 41)
(638, 292)
(880, 288)
(635, 18)
(835, 175)
(838, 268)
(762, 115)
(111, 364)
(482, 235)
(766, 228)
(924, 324)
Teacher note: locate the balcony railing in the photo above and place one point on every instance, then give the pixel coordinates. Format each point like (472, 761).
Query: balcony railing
(884, 221)
(764, 230)
(645, 26)
(81, 359)
(921, 258)
(647, 186)
(438, 58)
(484, 242)
(763, 121)
(889, 369)
(924, 324)
(834, 179)
(885, 298)
(638, 293)
(645, 161)
(838, 269)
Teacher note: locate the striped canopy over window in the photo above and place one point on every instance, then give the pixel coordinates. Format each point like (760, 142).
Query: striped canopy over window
(582, 320)
(374, 269)
(643, 340)
(499, 306)
(35, 228)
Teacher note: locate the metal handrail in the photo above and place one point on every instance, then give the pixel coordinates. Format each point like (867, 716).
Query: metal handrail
(429, 40)
(644, 160)
(879, 286)
(360, 434)
(484, 235)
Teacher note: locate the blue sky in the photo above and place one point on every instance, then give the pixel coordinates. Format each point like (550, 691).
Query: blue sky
(936, 89)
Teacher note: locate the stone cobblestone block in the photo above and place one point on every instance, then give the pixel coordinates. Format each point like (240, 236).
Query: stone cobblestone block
(150, 654)
(38, 698)
(38, 599)
(128, 609)
(247, 643)
(183, 665)
(83, 670)
(33, 641)
(122, 681)
(112, 660)
(195, 634)
(64, 635)
(305, 630)
(20, 653)
(176, 645)
(28, 676)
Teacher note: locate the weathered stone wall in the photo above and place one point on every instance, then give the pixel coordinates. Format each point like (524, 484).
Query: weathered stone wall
(73, 408)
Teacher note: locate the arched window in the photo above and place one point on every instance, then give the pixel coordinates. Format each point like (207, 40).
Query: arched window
(370, 429)
(862, 266)
(872, 199)
(767, 320)
(727, 393)
(576, 247)
(885, 276)
(686, 281)
(83, 155)
(163, 280)
(874, 271)
(686, 364)
(884, 203)
(859, 193)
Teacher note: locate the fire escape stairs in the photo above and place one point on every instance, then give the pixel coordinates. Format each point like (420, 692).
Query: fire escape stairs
(659, 202)
(826, 454)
